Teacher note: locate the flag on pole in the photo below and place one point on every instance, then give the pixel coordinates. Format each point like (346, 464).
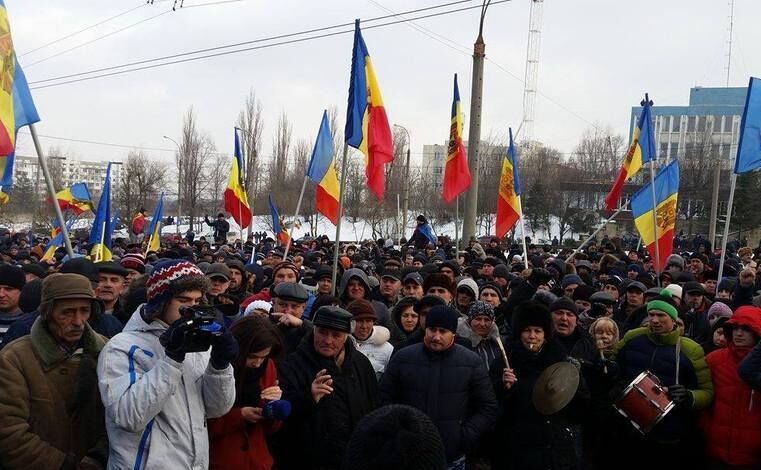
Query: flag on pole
(456, 171)
(666, 193)
(76, 198)
(749, 146)
(367, 126)
(277, 227)
(236, 199)
(508, 199)
(16, 105)
(322, 171)
(100, 234)
(641, 150)
(154, 229)
(57, 240)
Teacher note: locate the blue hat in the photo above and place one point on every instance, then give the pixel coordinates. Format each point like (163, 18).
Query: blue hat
(569, 279)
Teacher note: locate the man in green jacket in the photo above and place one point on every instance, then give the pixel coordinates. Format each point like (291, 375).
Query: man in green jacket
(656, 348)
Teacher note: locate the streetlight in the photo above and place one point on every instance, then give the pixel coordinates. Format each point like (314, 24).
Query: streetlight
(406, 199)
(179, 186)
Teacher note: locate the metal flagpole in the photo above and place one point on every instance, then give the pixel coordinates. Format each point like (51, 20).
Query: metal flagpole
(398, 219)
(523, 234)
(337, 245)
(51, 190)
(731, 201)
(295, 217)
(597, 230)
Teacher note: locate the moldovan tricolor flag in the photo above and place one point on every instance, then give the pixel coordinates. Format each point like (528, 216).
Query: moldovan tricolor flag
(367, 126)
(154, 229)
(666, 192)
(236, 199)
(16, 105)
(277, 227)
(641, 150)
(508, 199)
(456, 172)
(322, 170)
(100, 234)
(76, 198)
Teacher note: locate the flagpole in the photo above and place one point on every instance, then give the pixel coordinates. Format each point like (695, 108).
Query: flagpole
(99, 254)
(295, 217)
(51, 189)
(597, 230)
(732, 183)
(523, 234)
(398, 220)
(337, 245)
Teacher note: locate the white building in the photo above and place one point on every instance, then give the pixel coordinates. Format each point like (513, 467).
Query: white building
(435, 159)
(66, 170)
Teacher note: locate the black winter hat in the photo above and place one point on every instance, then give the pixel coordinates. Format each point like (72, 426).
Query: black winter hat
(333, 318)
(399, 437)
(501, 271)
(31, 296)
(583, 293)
(564, 303)
(12, 276)
(442, 316)
(532, 313)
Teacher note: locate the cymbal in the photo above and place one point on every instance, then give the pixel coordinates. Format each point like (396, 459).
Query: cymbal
(555, 388)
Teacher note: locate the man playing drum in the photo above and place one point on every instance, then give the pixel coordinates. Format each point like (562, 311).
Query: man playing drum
(679, 364)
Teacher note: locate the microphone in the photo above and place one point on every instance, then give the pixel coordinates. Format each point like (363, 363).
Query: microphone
(277, 410)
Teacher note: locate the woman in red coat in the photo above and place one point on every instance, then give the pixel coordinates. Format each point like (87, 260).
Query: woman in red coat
(238, 439)
(733, 422)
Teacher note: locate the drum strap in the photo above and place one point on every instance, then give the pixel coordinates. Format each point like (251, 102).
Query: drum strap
(678, 353)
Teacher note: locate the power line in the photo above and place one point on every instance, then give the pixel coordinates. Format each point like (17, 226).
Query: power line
(112, 33)
(228, 46)
(70, 35)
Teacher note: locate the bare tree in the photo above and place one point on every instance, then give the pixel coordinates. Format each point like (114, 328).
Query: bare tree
(196, 149)
(696, 169)
(217, 173)
(141, 183)
(281, 146)
(252, 124)
(538, 186)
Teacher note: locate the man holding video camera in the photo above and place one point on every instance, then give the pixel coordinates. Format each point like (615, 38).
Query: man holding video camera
(158, 379)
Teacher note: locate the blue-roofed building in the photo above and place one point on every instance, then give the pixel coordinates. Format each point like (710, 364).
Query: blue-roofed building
(709, 123)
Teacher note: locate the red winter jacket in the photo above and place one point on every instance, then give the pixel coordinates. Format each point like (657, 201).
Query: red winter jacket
(234, 443)
(733, 422)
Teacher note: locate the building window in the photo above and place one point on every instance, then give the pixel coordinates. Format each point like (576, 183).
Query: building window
(677, 124)
(662, 152)
(701, 123)
(665, 123)
(691, 123)
(674, 150)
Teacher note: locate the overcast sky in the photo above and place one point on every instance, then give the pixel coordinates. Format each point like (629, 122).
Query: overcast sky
(598, 57)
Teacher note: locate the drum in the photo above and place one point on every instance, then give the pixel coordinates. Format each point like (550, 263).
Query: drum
(644, 402)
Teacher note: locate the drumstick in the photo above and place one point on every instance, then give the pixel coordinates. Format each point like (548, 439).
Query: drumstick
(600, 347)
(502, 350)
(678, 349)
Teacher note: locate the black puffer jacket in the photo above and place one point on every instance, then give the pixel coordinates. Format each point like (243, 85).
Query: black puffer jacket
(579, 345)
(451, 387)
(535, 441)
(316, 434)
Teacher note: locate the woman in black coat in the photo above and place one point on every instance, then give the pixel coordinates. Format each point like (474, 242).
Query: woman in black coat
(534, 441)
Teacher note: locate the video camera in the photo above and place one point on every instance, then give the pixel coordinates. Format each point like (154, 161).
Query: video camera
(201, 327)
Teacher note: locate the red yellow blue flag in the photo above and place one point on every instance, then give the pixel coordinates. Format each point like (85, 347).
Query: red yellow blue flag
(236, 199)
(456, 171)
(76, 198)
(277, 226)
(322, 171)
(154, 229)
(641, 151)
(367, 126)
(508, 200)
(666, 194)
(100, 234)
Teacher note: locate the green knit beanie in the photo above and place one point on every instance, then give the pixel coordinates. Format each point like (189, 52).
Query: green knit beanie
(664, 304)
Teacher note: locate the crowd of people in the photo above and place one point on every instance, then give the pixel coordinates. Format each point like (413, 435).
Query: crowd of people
(225, 355)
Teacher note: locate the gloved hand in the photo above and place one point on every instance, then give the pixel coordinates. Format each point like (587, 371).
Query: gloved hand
(172, 339)
(607, 368)
(680, 395)
(224, 350)
(539, 276)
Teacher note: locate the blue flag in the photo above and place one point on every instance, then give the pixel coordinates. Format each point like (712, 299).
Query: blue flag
(100, 234)
(749, 146)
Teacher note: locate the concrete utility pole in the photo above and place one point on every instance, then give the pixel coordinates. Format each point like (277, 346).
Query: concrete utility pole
(474, 132)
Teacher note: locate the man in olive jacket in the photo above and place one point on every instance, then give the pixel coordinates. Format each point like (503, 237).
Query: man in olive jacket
(51, 416)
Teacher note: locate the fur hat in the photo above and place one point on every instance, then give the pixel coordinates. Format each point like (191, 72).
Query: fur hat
(12, 276)
(532, 313)
(169, 278)
(439, 280)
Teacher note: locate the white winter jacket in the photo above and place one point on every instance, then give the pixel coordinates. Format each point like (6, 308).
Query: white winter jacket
(376, 348)
(156, 408)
